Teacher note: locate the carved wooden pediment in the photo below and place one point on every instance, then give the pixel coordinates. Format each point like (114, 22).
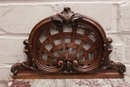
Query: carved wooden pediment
(68, 45)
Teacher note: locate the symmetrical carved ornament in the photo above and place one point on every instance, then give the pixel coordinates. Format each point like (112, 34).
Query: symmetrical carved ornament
(68, 45)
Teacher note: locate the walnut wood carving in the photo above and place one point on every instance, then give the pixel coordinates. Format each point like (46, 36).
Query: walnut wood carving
(68, 45)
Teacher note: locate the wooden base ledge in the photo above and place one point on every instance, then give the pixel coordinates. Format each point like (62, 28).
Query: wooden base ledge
(39, 75)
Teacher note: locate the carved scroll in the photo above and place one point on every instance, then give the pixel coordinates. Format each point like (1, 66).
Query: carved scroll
(68, 45)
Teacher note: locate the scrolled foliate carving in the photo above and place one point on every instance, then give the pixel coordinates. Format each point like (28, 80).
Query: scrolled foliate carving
(81, 52)
(66, 16)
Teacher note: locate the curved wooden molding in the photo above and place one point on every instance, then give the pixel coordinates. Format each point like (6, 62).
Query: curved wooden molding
(68, 45)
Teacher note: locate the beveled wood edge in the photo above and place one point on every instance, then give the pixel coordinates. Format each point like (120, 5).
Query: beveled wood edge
(113, 74)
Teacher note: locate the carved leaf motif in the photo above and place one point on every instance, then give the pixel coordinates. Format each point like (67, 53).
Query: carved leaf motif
(83, 48)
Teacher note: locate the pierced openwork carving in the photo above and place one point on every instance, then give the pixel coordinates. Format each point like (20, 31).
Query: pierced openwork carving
(68, 45)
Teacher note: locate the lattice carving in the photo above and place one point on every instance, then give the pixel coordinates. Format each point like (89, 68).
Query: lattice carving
(68, 45)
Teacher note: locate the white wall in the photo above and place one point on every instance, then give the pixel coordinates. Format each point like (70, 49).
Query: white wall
(17, 18)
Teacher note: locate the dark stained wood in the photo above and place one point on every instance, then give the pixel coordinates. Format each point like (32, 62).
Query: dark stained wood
(40, 75)
(70, 54)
